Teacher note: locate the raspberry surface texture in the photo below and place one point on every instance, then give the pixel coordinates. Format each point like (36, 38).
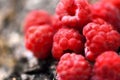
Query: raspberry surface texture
(56, 23)
(100, 37)
(116, 3)
(67, 40)
(39, 40)
(36, 18)
(107, 67)
(73, 67)
(108, 12)
(74, 13)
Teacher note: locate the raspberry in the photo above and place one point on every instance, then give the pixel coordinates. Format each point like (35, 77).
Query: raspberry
(73, 13)
(107, 67)
(56, 23)
(39, 40)
(116, 3)
(100, 38)
(36, 18)
(67, 40)
(73, 67)
(107, 12)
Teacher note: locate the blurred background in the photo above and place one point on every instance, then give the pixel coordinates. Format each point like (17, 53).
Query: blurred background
(12, 51)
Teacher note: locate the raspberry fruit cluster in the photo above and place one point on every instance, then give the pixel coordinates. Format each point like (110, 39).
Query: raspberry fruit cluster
(83, 37)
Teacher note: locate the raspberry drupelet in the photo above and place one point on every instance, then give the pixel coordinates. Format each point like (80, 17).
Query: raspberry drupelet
(74, 13)
(36, 18)
(67, 40)
(39, 40)
(100, 37)
(108, 12)
(73, 67)
(107, 67)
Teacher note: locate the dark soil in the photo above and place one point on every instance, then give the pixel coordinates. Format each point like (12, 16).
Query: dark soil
(44, 70)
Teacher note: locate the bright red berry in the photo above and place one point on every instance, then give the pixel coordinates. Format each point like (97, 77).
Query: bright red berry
(67, 40)
(74, 13)
(116, 3)
(36, 18)
(107, 67)
(100, 37)
(73, 67)
(56, 23)
(39, 40)
(108, 12)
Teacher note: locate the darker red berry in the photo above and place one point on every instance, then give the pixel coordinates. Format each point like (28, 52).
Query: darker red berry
(99, 38)
(116, 3)
(73, 67)
(67, 40)
(108, 12)
(36, 18)
(39, 40)
(56, 23)
(107, 67)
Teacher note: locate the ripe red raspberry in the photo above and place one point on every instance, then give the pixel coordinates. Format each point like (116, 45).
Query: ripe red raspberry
(39, 40)
(108, 12)
(116, 3)
(67, 40)
(56, 23)
(73, 13)
(36, 18)
(107, 67)
(73, 67)
(100, 38)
